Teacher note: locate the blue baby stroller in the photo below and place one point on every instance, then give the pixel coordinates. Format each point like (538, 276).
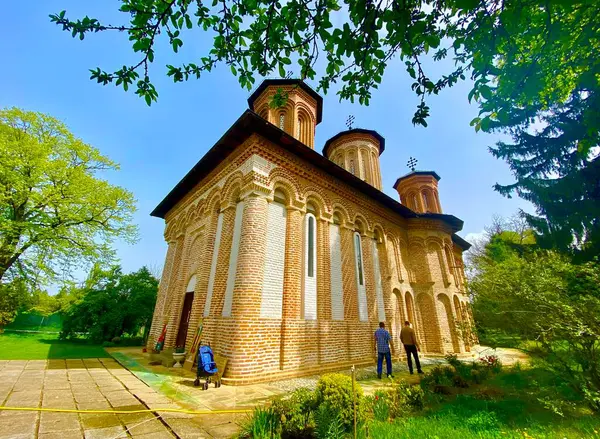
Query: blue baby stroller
(207, 367)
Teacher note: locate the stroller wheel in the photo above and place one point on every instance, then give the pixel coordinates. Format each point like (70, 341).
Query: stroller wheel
(196, 382)
(205, 386)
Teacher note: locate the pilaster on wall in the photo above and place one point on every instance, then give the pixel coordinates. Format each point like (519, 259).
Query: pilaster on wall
(162, 296)
(247, 292)
(428, 318)
(388, 296)
(245, 319)
(349, 276)
(222, 271)
(367, 250)
(323, 271)
(175, 294)
(292, 288)
(292, 276)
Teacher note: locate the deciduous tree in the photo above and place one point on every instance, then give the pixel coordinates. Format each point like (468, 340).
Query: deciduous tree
(55, 208)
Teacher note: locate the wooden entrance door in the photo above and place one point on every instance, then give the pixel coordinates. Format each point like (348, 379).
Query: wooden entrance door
(185, 319)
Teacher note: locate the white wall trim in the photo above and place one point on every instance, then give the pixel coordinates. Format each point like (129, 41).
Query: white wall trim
(233, 257)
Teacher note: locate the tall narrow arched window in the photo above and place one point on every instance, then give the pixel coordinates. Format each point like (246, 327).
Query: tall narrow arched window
(359, 262)
(363, 314)
(310, 267)
(415, 204)
(282, 121)
(426, 205)
(352, 167)
(304, 133)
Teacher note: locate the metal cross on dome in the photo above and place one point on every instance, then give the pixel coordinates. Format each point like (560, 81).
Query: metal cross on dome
(350, 122)
(289, 74)
(412, 163)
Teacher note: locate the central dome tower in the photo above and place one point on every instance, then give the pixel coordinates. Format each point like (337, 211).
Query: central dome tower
(301, 113)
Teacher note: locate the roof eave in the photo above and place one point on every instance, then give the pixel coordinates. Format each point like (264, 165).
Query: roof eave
(249, 123)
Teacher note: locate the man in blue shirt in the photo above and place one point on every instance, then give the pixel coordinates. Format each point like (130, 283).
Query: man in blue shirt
(382, 340)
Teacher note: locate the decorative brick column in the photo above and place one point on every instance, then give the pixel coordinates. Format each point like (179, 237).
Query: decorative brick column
(292, 289)
(222, 268)
(249, 342)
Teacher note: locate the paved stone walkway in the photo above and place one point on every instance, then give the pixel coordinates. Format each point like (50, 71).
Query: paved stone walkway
(133, 384)
(94, 384)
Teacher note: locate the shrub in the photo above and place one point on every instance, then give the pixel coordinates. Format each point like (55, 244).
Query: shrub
(262, 424)
(459, 381)
(116, 340)
(408, 397)
(329, 425)
(295, 413)
(438, 380)
(479, 373)
(335, 392)
(453, 360)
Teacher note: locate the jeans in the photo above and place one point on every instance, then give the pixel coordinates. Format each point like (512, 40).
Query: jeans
(412, 349)
(388, 362)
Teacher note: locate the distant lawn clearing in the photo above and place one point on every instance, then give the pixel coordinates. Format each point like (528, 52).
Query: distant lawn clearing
(40, 346)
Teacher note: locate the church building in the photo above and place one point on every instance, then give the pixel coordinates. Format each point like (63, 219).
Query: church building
(289, 258)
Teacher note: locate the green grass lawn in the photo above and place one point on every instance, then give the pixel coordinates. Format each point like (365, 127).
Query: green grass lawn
(509, 405)
(40, 346)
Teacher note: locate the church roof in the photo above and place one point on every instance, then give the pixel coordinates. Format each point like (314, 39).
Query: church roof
(249, 123)
(373, 133)
(281, 82)
(410, 174)
(461, 242)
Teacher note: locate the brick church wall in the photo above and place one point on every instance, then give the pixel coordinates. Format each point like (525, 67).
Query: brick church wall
(265, 335)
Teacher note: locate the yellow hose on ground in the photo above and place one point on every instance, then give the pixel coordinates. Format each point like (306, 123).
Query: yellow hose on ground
(123, 412)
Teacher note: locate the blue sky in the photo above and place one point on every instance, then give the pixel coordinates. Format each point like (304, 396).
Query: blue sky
(44, 69)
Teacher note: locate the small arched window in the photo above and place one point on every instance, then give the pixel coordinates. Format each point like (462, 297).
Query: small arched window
(352, 168)
(415, 204)
(425, 202)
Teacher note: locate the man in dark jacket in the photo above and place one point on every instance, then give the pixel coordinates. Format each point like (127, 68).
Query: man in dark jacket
(409, 340)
